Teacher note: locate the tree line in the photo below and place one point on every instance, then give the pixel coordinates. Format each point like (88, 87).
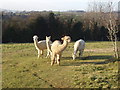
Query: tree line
(21, 28)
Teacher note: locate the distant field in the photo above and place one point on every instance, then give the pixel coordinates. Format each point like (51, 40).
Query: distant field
(22, 69)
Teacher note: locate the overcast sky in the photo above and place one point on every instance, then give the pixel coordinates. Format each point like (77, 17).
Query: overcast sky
(55, 5)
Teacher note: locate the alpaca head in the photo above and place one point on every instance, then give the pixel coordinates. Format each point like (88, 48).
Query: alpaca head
(66, 38)
(73, 56)
(48, 38)
(35, 37)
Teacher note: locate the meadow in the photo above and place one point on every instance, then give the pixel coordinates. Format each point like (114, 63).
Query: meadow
(95, 69)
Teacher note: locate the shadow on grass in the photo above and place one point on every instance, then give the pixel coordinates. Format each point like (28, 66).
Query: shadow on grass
(108, 59)
(89, 57)
(97, 57)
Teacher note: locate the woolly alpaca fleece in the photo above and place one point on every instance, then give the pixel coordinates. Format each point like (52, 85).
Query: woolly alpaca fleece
(78, 46)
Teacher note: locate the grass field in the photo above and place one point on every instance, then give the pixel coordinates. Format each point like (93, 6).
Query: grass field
(22, 69)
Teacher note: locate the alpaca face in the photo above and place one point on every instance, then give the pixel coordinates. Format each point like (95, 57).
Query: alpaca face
(48, 38)
(35, 37)
(66, 38)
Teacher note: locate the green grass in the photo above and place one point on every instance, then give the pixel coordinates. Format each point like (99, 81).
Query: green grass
(22, 69)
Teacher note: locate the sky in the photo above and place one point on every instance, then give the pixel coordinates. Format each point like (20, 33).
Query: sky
(41, 5)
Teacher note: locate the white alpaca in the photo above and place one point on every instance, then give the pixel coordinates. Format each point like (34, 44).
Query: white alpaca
(57, 48)
(40, 46)
(78, 46)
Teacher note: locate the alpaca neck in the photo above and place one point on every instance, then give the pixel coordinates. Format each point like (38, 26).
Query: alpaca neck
(48, 46)
(64, 45)
(36, 43)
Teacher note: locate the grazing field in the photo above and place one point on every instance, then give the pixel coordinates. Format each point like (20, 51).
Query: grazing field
(22, 69)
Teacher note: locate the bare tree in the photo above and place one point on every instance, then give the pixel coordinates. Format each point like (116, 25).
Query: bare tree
(104, 14)
(111, 21)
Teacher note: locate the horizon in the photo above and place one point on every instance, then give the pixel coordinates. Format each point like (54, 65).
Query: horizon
(50, 5)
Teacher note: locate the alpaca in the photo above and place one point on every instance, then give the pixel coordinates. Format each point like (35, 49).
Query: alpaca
(57, 48)
(40, 46)
(78, 46)
(48, 44)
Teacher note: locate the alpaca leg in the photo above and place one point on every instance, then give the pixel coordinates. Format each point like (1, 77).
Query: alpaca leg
(52, 59)
(41, 52)
(38, 53)
(48, 53)
(80, 53)
(58, 59)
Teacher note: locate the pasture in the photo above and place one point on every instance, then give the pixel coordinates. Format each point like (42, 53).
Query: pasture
(22, 69)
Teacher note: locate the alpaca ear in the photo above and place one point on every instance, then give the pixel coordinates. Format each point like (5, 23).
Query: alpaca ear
(46, 38)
